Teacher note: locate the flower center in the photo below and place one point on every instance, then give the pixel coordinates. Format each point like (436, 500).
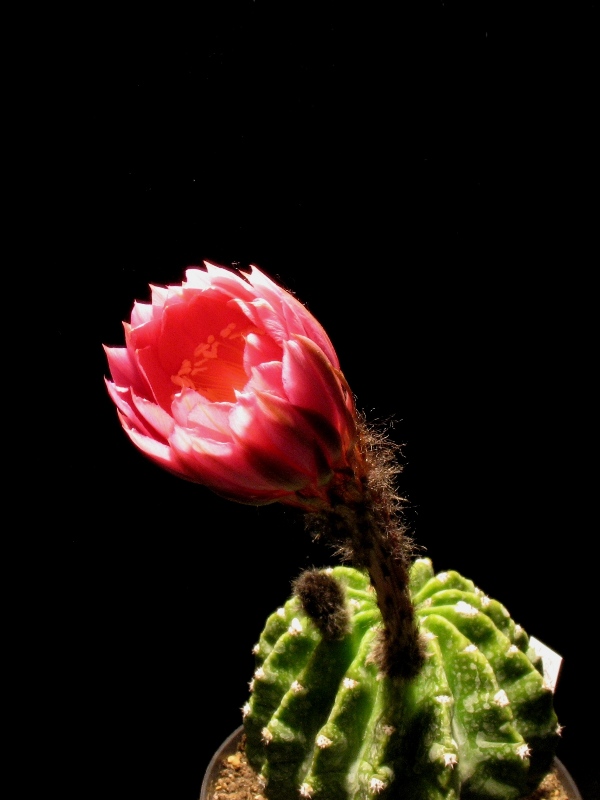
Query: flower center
(216, 368)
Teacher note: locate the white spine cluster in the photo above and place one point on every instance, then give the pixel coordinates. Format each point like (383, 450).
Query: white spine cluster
(523, 751)
(376, 785)
(450, 760)
(501, 698)
(466, 609)
(323, 742)
(266, 735)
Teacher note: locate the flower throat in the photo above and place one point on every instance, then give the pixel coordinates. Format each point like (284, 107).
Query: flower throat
(216, 368)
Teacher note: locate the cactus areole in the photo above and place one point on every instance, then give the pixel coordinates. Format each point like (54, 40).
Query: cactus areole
(323, 722)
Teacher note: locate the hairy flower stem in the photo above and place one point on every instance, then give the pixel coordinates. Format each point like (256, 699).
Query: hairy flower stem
(399, 651)
(362, 521)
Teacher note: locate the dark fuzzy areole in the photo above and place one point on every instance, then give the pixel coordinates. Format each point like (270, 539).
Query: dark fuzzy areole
(323, 600)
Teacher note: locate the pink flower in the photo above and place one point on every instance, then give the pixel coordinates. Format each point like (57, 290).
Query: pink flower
(228, 381)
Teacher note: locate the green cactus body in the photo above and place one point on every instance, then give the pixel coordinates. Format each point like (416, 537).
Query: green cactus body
(477, 722)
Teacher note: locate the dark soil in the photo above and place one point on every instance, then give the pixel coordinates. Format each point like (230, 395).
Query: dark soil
(237, 780)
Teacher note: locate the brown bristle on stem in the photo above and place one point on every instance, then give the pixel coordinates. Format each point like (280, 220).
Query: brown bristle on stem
(363, 523)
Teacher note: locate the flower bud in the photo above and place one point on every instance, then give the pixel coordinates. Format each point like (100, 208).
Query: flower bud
(228, 381)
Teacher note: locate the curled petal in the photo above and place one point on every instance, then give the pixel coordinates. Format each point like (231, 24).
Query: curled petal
(161, 454)
(297, 317)
(270, 430)
(141, 313)
(124, 369)
(228, 469)
(268, 378)
(202, 418)
(159, 297)
(312, 384)
(260, 350)
(160, 422)
(264, 316)
(122, 398)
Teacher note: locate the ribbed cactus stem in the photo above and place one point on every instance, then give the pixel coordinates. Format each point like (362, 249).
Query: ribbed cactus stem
(476, 723)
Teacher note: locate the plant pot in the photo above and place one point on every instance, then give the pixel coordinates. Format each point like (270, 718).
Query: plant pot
(230, 746)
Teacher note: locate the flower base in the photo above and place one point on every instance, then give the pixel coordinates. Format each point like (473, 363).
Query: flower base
(228, 777)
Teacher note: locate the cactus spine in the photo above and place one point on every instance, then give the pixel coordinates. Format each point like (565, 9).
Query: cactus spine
(324, 723)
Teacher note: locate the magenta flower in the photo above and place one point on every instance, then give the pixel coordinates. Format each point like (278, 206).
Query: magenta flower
(228, 381)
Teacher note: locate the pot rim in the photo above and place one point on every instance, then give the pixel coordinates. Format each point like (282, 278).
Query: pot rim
(229, 746)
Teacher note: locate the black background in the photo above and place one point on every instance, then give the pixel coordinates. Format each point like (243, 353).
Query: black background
(424, 180)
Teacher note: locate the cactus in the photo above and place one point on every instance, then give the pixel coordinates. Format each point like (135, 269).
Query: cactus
(324, 723)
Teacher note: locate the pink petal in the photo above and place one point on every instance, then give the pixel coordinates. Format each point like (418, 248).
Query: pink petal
(224, 466)
(271, 430)
(158, 452)
(123, 400)
(140, 314)
(267, 378)
(124, 369)
(297, 318)
(264, 316)
(159, 421)
(160, 295)
(145, 334)
(310, 381)
(229, 283)
(196, 279)
(202, 418)
(163, 388)
(260, 349)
